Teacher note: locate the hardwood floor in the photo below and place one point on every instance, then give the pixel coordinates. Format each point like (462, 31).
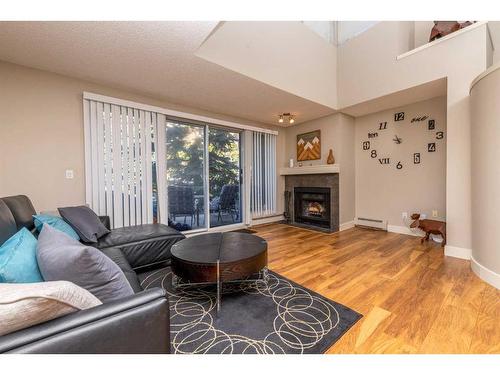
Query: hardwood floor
(414, 300)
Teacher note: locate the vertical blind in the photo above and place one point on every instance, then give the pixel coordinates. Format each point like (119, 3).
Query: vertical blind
(263, 189)
(119, 170)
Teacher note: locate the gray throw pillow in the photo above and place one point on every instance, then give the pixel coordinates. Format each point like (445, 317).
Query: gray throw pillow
(85, 222)
(61, 257)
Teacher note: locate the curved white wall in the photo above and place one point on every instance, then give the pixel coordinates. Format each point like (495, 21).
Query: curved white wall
(485, 139)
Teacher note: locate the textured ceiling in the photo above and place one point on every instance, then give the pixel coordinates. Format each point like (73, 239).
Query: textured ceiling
(153, 58)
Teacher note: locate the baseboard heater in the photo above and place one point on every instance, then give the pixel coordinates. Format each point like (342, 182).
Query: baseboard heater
(371, 223)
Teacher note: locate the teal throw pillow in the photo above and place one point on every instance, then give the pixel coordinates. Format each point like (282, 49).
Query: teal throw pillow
(55, 222)
(18, 262)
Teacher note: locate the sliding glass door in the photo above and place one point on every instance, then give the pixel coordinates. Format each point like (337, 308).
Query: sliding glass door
(203, 183)
(186, 187)
(224, 177)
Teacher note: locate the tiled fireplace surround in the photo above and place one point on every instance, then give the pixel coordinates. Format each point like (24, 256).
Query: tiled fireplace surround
(328, 180)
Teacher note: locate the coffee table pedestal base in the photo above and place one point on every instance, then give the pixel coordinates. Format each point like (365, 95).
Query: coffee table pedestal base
(177, 283)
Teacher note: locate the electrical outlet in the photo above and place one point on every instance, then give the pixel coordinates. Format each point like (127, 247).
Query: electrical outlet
(423, 216)
(70, 174)
(434, 213)
(404, 215)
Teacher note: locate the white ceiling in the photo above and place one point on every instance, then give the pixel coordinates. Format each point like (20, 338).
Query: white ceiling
(286, 55)
(152, 58)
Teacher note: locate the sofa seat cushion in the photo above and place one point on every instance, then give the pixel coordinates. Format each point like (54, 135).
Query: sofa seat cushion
(116, 255)
(142, 245)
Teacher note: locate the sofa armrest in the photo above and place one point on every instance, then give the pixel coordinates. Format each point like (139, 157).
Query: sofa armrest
(136, 324)
(105, 221)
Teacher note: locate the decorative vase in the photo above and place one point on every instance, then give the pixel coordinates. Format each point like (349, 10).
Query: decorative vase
(331, 159)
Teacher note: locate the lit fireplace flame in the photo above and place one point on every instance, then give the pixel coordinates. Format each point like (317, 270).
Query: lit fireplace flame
(315, 209)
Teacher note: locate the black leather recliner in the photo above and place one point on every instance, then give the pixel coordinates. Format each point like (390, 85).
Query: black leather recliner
(136, 324)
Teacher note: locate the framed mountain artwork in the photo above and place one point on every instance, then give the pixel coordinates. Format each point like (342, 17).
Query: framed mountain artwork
(309, 146)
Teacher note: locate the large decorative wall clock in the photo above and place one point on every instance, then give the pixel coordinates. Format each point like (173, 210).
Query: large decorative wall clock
(433, 139)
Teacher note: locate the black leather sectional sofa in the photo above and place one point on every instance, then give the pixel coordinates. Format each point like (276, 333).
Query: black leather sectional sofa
(136, 324)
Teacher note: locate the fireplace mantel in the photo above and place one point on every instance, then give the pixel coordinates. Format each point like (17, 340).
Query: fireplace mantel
(311, 169)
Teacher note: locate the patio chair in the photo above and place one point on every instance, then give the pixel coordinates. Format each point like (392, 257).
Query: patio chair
(181, 202)
(226, 202)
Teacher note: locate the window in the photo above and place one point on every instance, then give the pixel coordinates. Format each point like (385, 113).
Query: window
(224, 177)
(185, 159)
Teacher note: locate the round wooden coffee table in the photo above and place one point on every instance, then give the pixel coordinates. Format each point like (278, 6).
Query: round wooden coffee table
(216, 258)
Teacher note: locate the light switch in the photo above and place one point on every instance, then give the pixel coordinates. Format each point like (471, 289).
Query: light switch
(69, 174)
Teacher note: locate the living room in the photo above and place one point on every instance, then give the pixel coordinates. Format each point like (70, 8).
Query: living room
(249, 187)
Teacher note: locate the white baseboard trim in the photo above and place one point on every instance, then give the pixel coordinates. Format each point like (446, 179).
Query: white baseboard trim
(485, 274)
(403, 230)
(457, 252)
(347, 225)
(267, 220)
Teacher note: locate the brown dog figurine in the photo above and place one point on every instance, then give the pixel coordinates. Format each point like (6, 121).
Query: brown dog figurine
(429, 227)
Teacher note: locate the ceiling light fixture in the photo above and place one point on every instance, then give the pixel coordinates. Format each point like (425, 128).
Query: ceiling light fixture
(286, 116)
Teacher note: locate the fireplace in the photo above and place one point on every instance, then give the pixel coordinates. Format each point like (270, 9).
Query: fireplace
(312, 206)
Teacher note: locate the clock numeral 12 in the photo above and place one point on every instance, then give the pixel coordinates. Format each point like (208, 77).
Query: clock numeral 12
(416, 158)
(399, 116)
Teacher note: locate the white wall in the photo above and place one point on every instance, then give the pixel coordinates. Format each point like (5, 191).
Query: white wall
(337, 133)
(382, 191)
(422, 32)
(485, 97)
(41, 134)
(369, 68)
